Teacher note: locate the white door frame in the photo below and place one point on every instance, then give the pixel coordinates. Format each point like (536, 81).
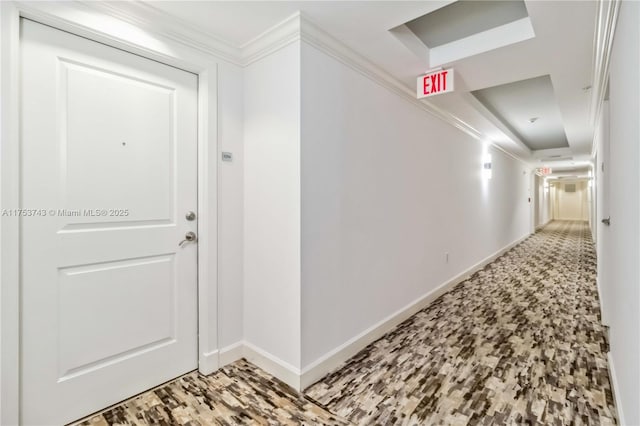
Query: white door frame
(79, 20)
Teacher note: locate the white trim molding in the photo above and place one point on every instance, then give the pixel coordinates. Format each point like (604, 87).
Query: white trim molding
(270, 363)
(332, 360)
(606, 19)
(273, 365)
(302, 379)
(273, 39)
(231, 353)
(295, 27)
(146, 16)
(208, 362)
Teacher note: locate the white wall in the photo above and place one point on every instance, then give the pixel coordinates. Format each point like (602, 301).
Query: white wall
(272, 205)
(230, 205)
(624, 201)
(387, 190)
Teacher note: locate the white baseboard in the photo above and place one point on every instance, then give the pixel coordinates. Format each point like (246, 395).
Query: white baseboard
(300, 380)
(208, 362)
(231, 353)
(272, 365)
(615, 390)
(332, 360)
(263, 359)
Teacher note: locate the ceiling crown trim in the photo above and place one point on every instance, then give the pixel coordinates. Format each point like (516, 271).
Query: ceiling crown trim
(606, 19)
(294, 28)
(320, 39)
(150, 18)
(273, 39)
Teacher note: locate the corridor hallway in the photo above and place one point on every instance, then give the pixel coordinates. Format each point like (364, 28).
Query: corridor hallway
(519, 342)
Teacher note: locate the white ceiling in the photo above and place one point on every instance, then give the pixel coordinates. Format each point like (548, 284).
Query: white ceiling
(562, 48)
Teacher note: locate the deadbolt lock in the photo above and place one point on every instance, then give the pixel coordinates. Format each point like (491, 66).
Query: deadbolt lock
(190, 216)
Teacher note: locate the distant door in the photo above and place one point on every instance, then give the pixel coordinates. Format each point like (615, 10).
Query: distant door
(109, 165)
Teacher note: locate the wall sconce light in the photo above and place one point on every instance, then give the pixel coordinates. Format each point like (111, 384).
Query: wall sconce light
(486, 166)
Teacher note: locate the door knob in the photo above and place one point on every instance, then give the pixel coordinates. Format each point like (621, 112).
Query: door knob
(188, 237)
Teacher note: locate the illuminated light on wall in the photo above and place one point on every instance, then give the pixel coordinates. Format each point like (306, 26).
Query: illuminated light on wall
(486, 166)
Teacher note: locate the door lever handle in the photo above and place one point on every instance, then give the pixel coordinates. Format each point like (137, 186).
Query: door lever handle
(607, 221)
(188, 237)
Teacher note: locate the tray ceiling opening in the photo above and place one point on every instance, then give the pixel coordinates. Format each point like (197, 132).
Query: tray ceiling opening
(465, 28)
(465, 18)
(529, 109)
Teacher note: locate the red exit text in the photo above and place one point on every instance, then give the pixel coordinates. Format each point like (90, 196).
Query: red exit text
(435, 83)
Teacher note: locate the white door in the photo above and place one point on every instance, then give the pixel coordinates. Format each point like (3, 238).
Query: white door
(109, 152)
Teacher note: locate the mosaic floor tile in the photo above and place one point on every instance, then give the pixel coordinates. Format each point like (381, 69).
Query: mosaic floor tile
(238, 394)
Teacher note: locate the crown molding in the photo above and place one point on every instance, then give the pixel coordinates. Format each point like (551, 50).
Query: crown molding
(273, 39)
(606, 18)
(294, 28)
(150, 18)
(320, 39)
(323, 41)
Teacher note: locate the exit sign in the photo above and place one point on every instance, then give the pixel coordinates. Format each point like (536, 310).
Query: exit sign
(543, 171)
(435, 83)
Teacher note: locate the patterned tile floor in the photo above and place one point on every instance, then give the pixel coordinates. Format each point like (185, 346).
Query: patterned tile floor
(519, 342)
(238, 394)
